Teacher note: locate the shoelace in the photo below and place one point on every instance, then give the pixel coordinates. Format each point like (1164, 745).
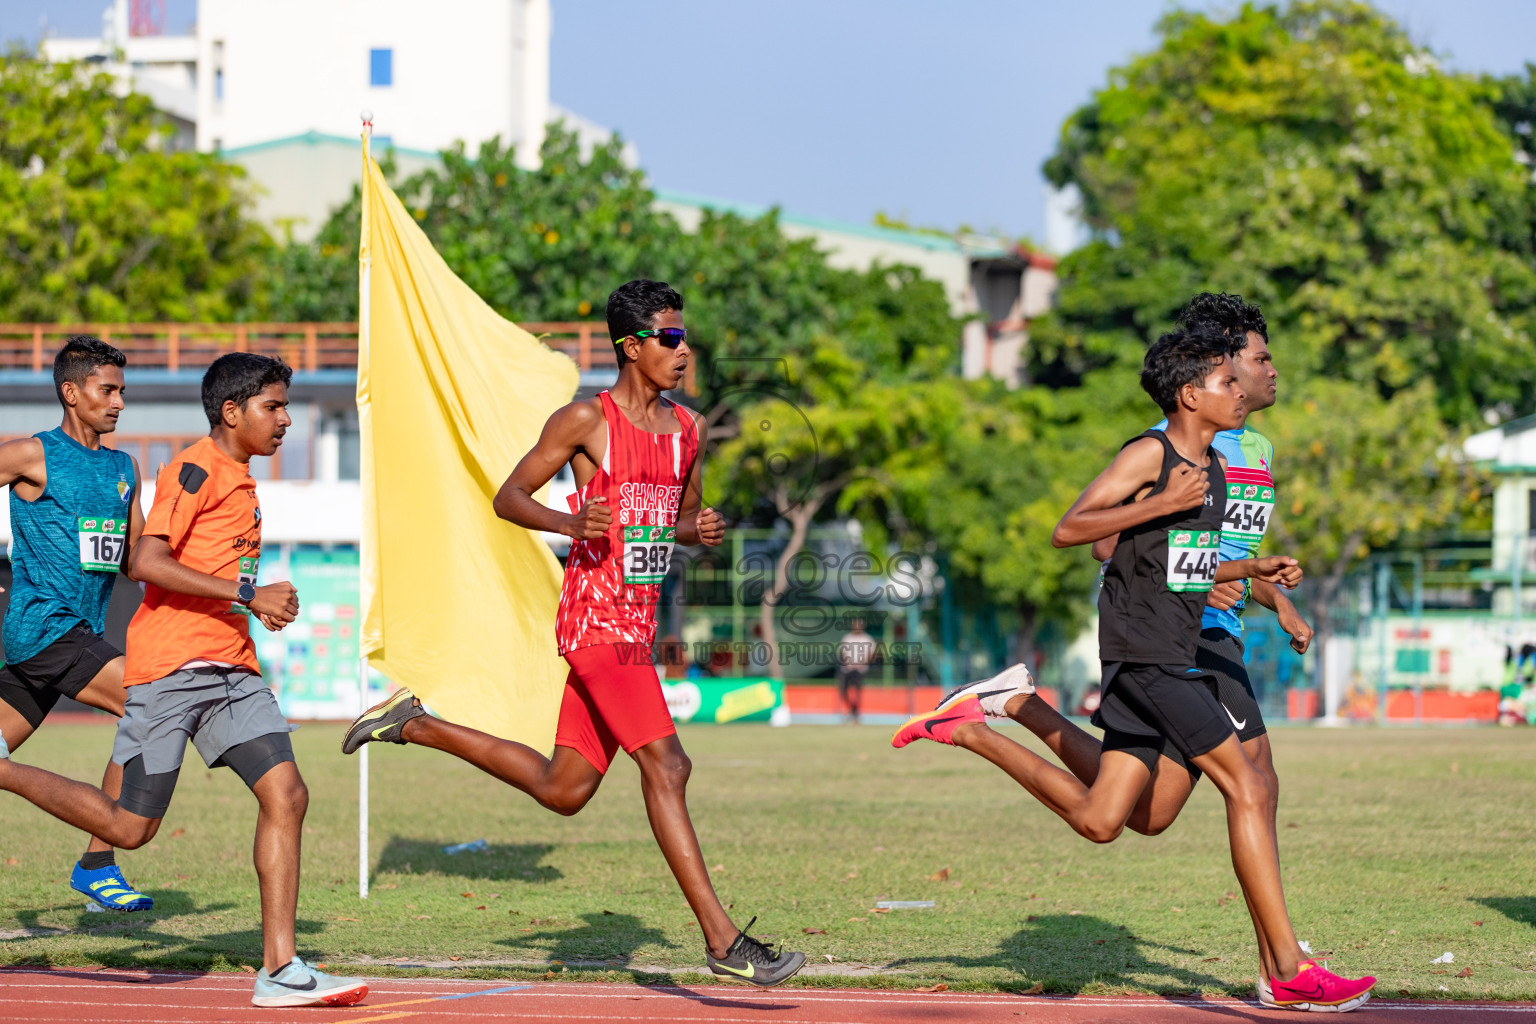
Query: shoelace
(752, 950)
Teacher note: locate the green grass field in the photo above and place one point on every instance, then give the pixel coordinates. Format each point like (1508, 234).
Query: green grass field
(1397, 845)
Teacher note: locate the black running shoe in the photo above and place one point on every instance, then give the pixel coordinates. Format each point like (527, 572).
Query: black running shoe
(752, 961)
(383, 721)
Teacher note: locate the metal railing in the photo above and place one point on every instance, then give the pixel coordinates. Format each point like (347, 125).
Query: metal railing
(306, 347)
(154, 451)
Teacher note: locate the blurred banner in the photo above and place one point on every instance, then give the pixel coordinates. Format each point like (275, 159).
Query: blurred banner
(457, 604)
(754, 699)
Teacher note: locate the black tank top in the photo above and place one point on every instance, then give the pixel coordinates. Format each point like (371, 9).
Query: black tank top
(1156, 583)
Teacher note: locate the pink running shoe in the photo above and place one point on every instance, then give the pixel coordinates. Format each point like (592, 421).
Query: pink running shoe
(940, 724)
(1320, 991)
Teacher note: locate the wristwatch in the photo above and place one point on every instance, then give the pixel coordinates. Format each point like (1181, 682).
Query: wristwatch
(247, 594)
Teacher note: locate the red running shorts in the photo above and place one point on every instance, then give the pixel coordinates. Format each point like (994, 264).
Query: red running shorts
(612, 699)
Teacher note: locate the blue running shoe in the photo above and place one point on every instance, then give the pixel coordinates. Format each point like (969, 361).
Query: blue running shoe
(297, 983)
(106, 888)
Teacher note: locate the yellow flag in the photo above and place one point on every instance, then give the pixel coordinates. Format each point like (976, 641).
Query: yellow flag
(457, 604)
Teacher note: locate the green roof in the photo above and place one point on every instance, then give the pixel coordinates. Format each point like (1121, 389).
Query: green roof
(320, 139)
(917, 239)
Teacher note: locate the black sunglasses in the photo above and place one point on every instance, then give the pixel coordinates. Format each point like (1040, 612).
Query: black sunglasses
(669, 337)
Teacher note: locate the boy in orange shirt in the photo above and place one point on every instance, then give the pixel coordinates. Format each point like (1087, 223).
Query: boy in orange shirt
(192, 671)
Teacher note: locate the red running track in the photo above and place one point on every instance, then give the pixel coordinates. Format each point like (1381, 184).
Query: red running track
(106, 996)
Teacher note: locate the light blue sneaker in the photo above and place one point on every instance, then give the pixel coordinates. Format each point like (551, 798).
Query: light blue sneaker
(297, 983)
(106, 887)
(5, 751)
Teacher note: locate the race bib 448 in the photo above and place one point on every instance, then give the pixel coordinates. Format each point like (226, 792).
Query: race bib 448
(1193, 556)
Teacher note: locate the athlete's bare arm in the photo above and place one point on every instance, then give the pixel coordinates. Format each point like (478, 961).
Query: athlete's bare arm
(155, 562)
(1271, 597)
(135, 520)
(1274, 569)
(1098, 512)
(696, 525)
(574, 434)
(23, 467)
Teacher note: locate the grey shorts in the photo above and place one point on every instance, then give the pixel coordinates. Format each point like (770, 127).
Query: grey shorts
(215, 708)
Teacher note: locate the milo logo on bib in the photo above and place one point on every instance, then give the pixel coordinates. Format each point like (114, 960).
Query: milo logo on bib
(1193, 556)
(647, 553)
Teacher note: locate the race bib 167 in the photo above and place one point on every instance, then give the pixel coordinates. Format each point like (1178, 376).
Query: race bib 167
(102, 542)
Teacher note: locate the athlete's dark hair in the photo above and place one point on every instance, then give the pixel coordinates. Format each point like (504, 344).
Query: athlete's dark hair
(240, 377)
(1182, 357)
(632, 307)
(79, 358)
(1230, 313)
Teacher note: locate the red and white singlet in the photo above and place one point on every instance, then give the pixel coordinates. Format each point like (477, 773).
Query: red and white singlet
(612, 583)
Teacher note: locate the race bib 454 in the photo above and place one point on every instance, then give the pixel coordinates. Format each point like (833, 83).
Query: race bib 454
(1250, 504)
(1193, 556)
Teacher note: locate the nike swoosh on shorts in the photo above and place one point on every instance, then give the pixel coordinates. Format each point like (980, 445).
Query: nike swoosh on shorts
(1235, 722)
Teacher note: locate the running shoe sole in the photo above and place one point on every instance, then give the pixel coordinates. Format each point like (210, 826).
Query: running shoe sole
(339, 997)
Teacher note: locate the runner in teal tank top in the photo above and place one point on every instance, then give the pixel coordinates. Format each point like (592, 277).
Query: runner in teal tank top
(75, 515)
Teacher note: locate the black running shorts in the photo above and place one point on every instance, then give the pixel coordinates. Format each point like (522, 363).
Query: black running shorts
(62, 669)
(1221, 654)
(1150, 751)
(1174, 703)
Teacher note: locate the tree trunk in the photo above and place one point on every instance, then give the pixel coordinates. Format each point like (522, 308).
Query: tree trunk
(799, 524)
(1330, 690)
(1024, 640)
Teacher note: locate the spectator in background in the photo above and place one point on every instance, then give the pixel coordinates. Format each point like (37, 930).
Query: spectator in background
(854, 653)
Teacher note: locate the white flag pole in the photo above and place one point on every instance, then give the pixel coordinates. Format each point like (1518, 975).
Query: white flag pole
(363, 318)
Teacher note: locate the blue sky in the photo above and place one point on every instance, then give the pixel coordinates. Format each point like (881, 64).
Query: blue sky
(937, 112)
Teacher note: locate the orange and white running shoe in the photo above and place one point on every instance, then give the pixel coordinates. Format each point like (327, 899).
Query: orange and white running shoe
(994, 692)
(940, 724)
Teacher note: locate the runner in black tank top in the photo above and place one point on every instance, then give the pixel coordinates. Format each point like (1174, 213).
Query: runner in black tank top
(1175, 555)
(1149, 626)
(1164, 496)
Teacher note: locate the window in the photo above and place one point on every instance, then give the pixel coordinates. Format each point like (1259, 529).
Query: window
(381, 67)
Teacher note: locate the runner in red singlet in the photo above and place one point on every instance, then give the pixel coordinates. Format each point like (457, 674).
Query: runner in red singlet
(636, 457)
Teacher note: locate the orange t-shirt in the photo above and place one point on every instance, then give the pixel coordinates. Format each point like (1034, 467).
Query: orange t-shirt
(206, 509)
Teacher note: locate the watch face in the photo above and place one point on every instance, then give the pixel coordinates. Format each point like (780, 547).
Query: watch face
(247, 593)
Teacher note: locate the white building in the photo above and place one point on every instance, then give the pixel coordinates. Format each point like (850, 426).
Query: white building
(253, 72)
(1508, 452)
